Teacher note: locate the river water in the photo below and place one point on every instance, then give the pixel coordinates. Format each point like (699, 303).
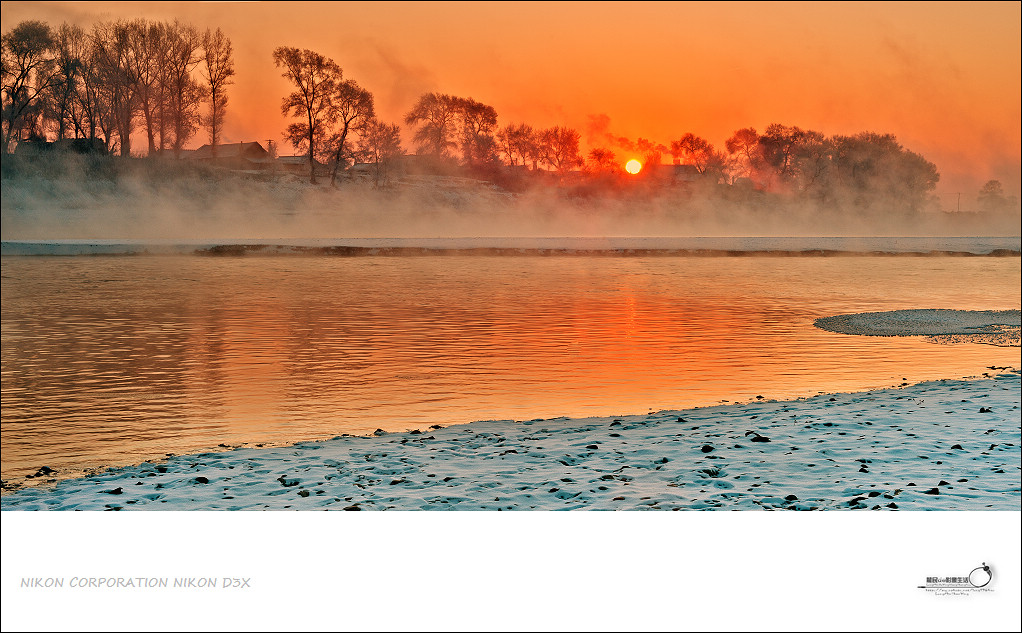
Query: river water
(112, 360)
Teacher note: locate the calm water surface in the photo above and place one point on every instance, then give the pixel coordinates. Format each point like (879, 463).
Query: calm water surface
(114, 360)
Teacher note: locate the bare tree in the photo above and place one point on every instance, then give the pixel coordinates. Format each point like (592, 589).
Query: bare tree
(744, 147)
(445, 122)
(112, 59)
(146, 41)
(602, 161)
(477, 122)
(94, 112)
(693, 150)
(560, 148)
(719, 168)
(219, 58)
(351, 108)
(27, 70)
(186, 94)
(534, 151)
(164, 89)
(436, 115)
(992, 199)
(812, 162)
(729, 167)
(315, 78)
(516, 143)
(69, 57)
(380, 144)
(778, 144)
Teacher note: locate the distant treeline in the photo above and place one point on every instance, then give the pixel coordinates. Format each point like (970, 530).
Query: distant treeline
(122, 77)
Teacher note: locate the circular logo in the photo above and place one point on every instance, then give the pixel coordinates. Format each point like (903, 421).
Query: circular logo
(980, 577)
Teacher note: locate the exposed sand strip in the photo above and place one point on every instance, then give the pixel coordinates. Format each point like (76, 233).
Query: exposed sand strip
(993, 327)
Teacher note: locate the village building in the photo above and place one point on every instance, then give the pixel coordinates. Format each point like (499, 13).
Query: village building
(298, 164)
(240, 155)
(72, 145)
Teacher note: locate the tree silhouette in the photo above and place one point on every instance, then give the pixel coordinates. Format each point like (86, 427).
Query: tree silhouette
(185, 92)
(477, 122)
(517, 143)
(812, 162)
(147, 45)
(27, 71)
(744, 146)
(693, 150)
(380, 143)
(436, 117)
(219, 58)
(778, 147)
(559, 146)
(351, 108)
(103, 83)
(112, 57)
(602, 161)
(991, 198)
(96, 110)
(315, 78)
(69, 57)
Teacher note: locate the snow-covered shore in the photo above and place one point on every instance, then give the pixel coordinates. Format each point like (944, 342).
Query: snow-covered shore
(944, 445)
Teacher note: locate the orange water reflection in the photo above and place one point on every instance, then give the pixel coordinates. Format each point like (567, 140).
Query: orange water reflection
(114, 360)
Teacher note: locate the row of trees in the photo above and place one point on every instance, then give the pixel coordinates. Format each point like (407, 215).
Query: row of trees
(866, 165)
(446, 125)
(107, 83)
(336, 123)
(104, 83)
(782, 158)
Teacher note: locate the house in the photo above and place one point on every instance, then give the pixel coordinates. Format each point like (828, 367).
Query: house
(297, 164)
(70, 145)
(425, 165)
(232, 155)
(80, 145)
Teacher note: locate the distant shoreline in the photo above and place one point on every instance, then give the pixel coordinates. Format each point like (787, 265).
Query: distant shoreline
(535, 247)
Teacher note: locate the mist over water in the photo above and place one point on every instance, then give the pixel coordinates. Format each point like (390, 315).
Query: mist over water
(202, 205)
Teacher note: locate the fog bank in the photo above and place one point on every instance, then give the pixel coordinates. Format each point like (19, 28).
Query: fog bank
(144, 203)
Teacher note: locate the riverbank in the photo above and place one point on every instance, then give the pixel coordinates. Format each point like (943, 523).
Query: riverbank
(943, 445)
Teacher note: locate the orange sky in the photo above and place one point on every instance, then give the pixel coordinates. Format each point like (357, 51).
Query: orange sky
(943, 77)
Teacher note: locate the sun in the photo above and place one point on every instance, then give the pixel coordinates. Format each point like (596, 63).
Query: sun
(633, 166)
